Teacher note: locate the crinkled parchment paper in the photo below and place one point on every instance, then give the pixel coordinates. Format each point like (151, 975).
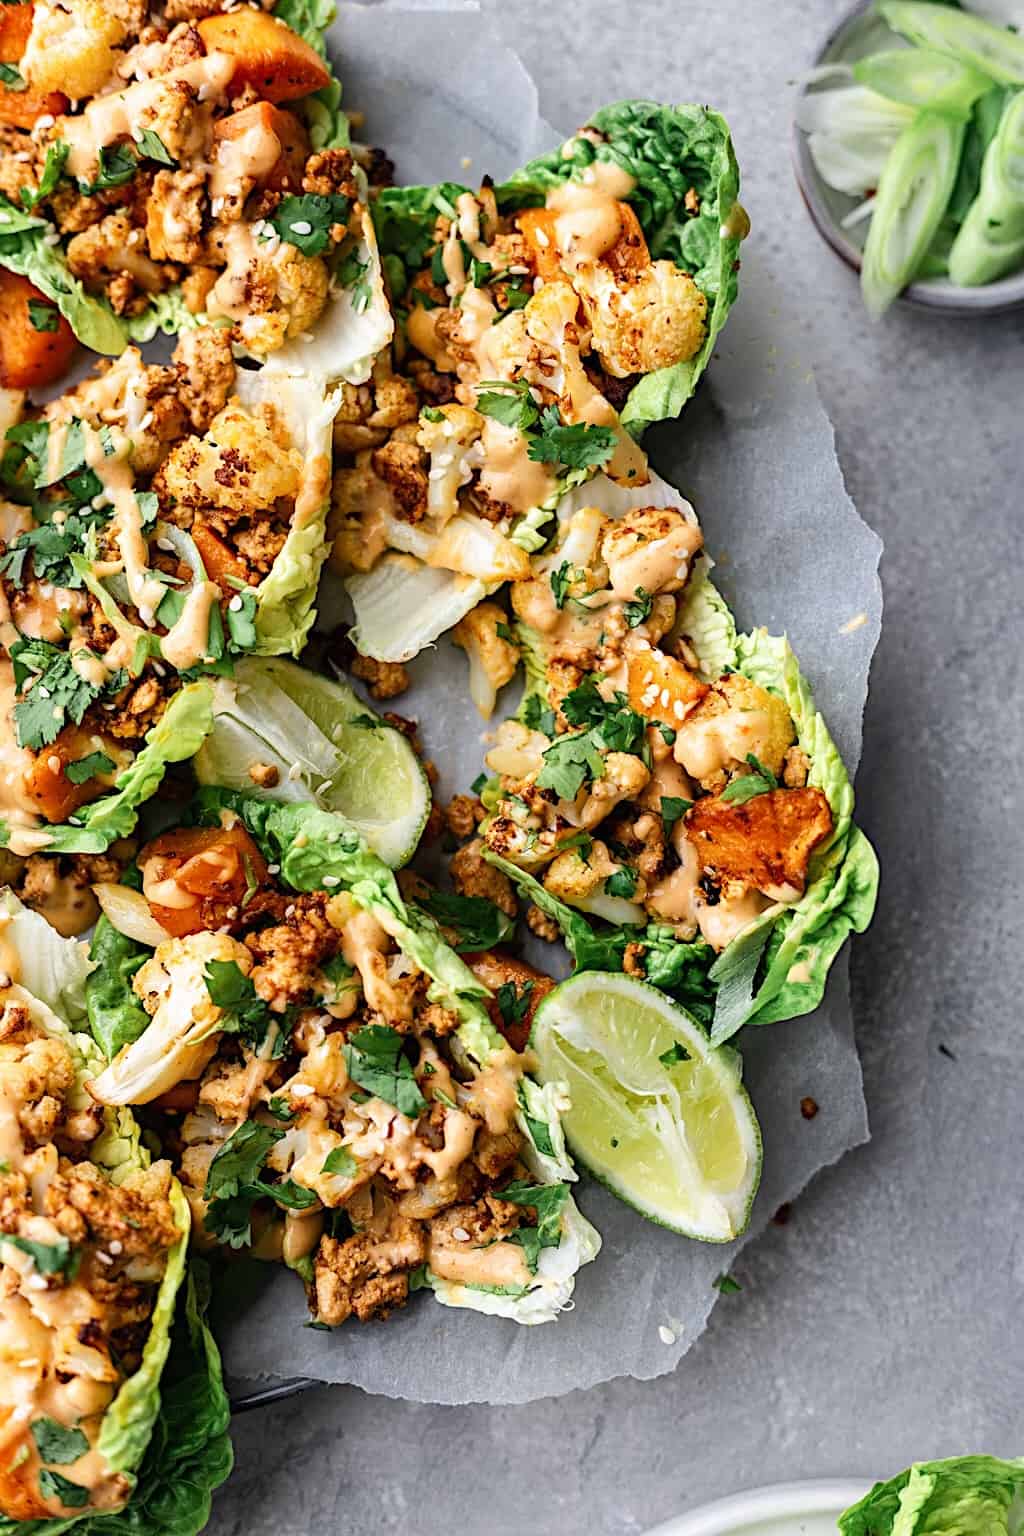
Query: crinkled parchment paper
(755, 454)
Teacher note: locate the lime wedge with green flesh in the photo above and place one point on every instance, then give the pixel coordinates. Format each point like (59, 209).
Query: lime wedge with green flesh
(326, 744)
(657, 1115)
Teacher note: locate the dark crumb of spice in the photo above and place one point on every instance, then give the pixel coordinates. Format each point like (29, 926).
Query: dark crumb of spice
(945, 1050)
(808, 1108)
(782, 1215)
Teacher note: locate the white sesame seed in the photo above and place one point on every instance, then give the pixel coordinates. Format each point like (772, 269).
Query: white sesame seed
(331, 880)
(678, 710)
(664, 698)
(35, 1283)
(666, 1335)
(460, 1234)
(115, 1245)
(301, 1091)
(235, 603)
(104, 1258)
(289, 910)
(302, 227)
(273, 869)
(295, 771)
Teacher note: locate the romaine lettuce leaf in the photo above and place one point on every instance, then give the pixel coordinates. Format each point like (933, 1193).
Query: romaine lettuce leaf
(177, 736)
(23, 249)
(54, 969)
(669, 151)
(964, 1496)
(116, 1017)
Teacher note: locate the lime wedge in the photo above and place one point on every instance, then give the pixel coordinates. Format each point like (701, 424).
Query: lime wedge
(657, 1115)
(327, 745)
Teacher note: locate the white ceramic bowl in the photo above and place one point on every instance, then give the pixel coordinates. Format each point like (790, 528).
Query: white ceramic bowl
(784, 1509)
(861, 32)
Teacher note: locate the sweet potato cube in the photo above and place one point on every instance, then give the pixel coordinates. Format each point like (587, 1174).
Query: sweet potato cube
(494, 967)
(765, 841)
(285, 175)
(662, 688)
(46, 783)
(268, 55)
(31, 358)
(628, 257)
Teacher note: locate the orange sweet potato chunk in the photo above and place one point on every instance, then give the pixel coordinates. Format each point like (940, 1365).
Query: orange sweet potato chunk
(269, 56)
(765, 841)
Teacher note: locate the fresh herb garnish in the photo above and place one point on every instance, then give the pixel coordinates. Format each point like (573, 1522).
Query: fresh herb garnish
(53, 1485)
(353, 274)
(278, 1107)
(88, 767)
(547, 1201)
(241, 620)
(233, 1184)
(53, 170)
(508, 401)
(504, 632)
(727, 1285)
(366, 722)
(676, 1053)
(480, 783)
(151, 146)
(56, 1258)
(306, 221)
(56, 1443)
(375, 1060)
(579, 446)
(639, 608)
(340, 1160)
(11, 78)
(569, 763)
(538, 716)
(57, 693)
(477, 923)
(115, 166)
(760, 781)
(561, 581)
(672, 808)
(621, 883)
(244, 1011)
(513, 1001)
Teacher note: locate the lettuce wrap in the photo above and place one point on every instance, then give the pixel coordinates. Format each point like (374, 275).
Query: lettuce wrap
(968, 1495)
(81, 1461)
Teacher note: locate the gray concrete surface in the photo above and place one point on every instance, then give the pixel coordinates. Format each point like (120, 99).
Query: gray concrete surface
(882, 1323)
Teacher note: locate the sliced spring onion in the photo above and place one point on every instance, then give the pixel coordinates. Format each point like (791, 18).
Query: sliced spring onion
(910, 204)
(996, 51)
(923, 78)
(991, 239)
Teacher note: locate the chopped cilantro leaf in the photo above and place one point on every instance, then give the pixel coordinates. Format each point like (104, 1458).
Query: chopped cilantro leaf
(375, 1060)
(538, 716)
(672, 807)
(11, 78)
(621, 883)
(508, 402)
(546, 1201)
(479, 783)
(759, 781)
(668, 733)
(240, 1160)
(278, 1107)
(569, 763)
(114, 167)
(306, 221)
(241, 617)
(53, 1485)
(57, 693)
(244, 1011)
(53, 170)
(56, 1258)
(340, 1160)
(56, 1443)
(152, 147)
(676, 1053)
(579, 446)
(477, 923)
(561, 581)
(432, 414)
(727, 1285)
(639, 609)
(352, 274)
(43, 315)
(540, 1135)
(503, 632)
(513, 1001)
(88, 767)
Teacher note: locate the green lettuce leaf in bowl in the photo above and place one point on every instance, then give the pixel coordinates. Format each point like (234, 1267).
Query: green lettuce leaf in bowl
(962, 1496)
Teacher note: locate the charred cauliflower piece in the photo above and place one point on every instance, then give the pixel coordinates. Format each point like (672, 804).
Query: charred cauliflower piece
(623, 779)
(641, 322)
(492, 659)
(243, 464)
(449, 442)
(735, 717)
(650, 548)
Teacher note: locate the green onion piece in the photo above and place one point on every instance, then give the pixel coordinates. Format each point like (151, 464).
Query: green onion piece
(995, 50)
(991, 239)
(913, 193)
(923, 78)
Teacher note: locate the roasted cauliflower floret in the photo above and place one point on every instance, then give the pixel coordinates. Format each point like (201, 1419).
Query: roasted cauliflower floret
(71, 46)
(650, 548)
(284, 294)
(492, 659)
(182, 1035)
(623, 779)
(518, 752)
(449, 435)
(735, 717)
(114, 251)
(578, 876)
(243, 464)
(641, 322)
